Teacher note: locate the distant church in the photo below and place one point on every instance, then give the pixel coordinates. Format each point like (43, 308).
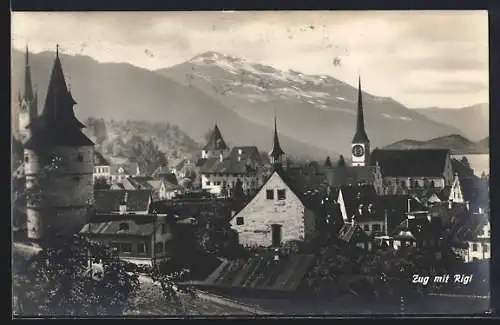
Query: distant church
(28, 106)
(58, 160)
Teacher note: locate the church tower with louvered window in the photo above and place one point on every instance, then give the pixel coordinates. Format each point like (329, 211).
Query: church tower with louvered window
(59, 162)
(360, 146)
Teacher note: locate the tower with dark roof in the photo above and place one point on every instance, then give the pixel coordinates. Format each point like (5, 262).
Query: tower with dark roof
(27, 101)
(276, 155)
(59, 161)
(360, 146)
(215, 145)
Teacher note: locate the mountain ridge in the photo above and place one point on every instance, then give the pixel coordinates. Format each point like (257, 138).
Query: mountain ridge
(121, 91)
(457, 144)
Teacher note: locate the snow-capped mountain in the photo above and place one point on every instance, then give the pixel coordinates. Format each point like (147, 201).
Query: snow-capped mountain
(317, 109)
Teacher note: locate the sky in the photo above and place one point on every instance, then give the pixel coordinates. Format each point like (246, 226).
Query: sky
(419, 58)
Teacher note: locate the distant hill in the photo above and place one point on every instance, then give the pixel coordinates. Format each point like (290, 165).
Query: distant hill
(123, 92)
(455, 142)
(316, 109)
(473, 121)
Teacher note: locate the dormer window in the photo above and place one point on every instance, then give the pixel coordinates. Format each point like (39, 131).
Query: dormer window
(124, 226)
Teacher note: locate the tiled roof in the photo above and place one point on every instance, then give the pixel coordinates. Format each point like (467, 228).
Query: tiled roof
(107, 201)
(362, 198)
(246, 153)
(350, 175)
(213, 165)
(263, 272)
(113, 228)
(124, 184)
(352, 232)
(412, 162)
(99, 159)
(44, 136)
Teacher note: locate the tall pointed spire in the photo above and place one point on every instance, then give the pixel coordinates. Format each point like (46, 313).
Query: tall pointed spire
(59, 103)
(28, 86)
(276, 153)
(360, 136)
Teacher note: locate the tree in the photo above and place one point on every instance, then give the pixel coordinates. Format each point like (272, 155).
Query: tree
(328, 162)
(146, 154)
(341, 162)
(61, 280)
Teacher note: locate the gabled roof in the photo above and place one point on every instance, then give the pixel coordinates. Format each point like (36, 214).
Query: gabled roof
(107, 201)
(113, 228)
(352, 233)
(216, 142)
(214, 165)
(350, 175)
(99, 159)
(411, 162)
(246, 153)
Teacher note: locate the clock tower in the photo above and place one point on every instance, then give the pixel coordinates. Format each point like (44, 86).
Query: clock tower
(360, 146)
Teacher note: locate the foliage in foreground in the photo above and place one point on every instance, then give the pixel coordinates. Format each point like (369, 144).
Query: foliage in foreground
(60, 280)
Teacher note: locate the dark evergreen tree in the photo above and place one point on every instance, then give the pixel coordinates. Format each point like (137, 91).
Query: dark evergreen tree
(328, 162)
(341, 162)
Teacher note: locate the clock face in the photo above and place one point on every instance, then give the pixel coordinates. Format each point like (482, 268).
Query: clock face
(358, 150)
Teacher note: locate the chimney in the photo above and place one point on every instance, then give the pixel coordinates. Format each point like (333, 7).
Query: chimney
(123, 204)
(467, 205)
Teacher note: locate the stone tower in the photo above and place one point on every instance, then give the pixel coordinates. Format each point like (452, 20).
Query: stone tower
(360, 146)
(28, 108)
(276, 155)
(58, 160)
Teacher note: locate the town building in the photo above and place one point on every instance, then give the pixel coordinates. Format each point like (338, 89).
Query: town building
(121, 171)
(279, 212)
(220, 173)
(142, 240)
(102, 168)
(406, 170)
(28, 103)
(59, 164)
(163, 186)
(479, 243)
(122, 201)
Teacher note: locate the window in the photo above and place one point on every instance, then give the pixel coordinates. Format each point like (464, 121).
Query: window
(270, 194)
(114, 245)
(126, 247)
(366, 227)
(207, 183)
(281, 194)
(485, 248)
(239, 221)
(376, 227)
(163, 228)
(79, 158)
(474, 247)
(141, 248)
(124, 226)
(26, 159)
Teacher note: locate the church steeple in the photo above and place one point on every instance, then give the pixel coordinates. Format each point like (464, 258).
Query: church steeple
(28, 85)
(360, 143)
(360, 136)
(276, 154)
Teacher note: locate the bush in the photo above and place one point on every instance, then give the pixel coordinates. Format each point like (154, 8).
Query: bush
(60, 280)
